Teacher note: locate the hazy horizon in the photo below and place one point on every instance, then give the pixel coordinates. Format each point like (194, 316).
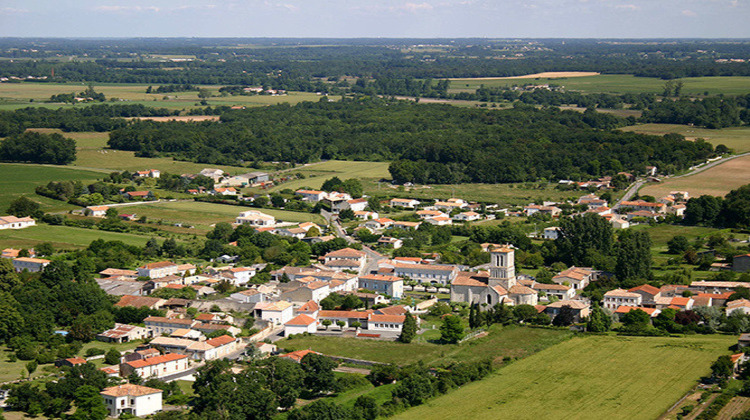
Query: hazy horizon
(634, 19)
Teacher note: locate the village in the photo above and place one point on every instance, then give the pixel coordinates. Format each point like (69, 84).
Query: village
(357, 290)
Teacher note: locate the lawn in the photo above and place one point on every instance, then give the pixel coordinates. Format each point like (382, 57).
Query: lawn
(63, 237)
(618, 84)
(203, 215)
(19, 95)
(718, 180)
(22, 179)
(735, 138)
(591, 377)
(503, 194)
(502, 342)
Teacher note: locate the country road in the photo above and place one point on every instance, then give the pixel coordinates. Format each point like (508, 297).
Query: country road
(633, 188)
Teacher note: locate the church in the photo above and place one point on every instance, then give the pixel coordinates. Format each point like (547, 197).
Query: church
(499, 285)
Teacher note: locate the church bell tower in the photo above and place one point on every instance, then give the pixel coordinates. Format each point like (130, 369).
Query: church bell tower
(502, 267)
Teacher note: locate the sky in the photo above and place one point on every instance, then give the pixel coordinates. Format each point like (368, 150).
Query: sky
(377, 18)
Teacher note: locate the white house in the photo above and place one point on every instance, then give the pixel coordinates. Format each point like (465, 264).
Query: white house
(439, 221)
(277, 313)
(224, 191)
(151, 173)
(300, 324)
(387, 285)
(215, 174)
(33, 265)
(13, 222)
(248, 296)
(380, 223)
(132, 399)
(158, 269)
(467, 216)
(551, 232)
(404, 202)
(739, 305)
(311, 195)
(620, 297)
(255, 218)
(366, 215)
(392, 323)
(156, 367)
(98, 211)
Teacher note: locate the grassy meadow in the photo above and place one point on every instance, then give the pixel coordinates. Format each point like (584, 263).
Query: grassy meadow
(504, 194)
(617, 84)
(511, 341)
(735, 138)
(20, 95)
(317, 173)
(21, 179)
(203, 215)
(64, 237)
(718, 180)
(590, 377)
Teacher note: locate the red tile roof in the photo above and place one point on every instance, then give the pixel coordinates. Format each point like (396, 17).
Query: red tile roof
(301, 319)
(298, 355)
(220, 341)
(151, 361)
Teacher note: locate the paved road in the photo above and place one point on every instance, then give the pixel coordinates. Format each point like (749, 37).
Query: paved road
(372, 256)
(633, 189)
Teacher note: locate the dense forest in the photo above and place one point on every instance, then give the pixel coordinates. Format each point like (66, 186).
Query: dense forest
(38, 148)
(430, 143)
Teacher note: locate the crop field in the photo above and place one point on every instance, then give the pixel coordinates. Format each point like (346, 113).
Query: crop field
(718, 180)
(20, 179)
(504, 194)
(317, 173)
(735, 138)
(593, 377)
(19, 95)
(64, 237)
(501, 342)
(202, 215)
(617, 83)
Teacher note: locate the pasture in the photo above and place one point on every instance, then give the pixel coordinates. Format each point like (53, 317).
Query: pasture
(19, 95)
(616, 84)
(317, 173)
(735, 138)
(18, 179)
(504, 194)
(592, 377)
(203, 215)
(511, 341)
(64, 237)
(718, 180)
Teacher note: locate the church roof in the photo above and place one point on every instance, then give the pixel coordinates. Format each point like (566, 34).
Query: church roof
(466, 278)
(500, 290)
(517, 289)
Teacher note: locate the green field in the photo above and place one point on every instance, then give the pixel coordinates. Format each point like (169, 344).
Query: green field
(19, 95)
(618, 84)
(63, 237)
(22, 179)
(317, 173)
(202, 215)
(504, 194)
(510, 341)
(593, 377)
(735, 138)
